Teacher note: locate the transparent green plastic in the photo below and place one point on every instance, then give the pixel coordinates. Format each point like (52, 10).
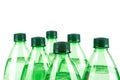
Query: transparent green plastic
(16, 61)
(36, 65)
(78, 57)
(62, 69)
(102, 66)
(49, 48)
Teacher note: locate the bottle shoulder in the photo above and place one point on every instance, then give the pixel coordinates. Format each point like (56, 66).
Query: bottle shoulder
(102, 57)
(19, 51)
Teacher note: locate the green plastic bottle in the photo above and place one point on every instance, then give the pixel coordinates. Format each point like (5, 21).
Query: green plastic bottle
(17, 58)
(62, 68)
(51, 39)
(77, 55)
(102, 66)
(37, 64)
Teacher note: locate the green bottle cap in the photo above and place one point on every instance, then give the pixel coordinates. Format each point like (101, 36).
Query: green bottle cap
(51, 34)
(61, 47)
(73, 37)
(101, 42)
(19, 37)
(38, 41)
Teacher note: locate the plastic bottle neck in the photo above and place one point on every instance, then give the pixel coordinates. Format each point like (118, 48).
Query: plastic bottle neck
(49, 47)
(62, 55)
(76, 44)
(38, 48)
(101, 49)
(20, 42)
(51, 39)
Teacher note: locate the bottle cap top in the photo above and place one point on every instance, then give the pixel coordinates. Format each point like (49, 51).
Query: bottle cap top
(38, 41)
(73, 37)
(101, 42)
(19, 37)
(51, 34)
(61, 47)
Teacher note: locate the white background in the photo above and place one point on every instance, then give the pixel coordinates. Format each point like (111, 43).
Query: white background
(90, 18)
